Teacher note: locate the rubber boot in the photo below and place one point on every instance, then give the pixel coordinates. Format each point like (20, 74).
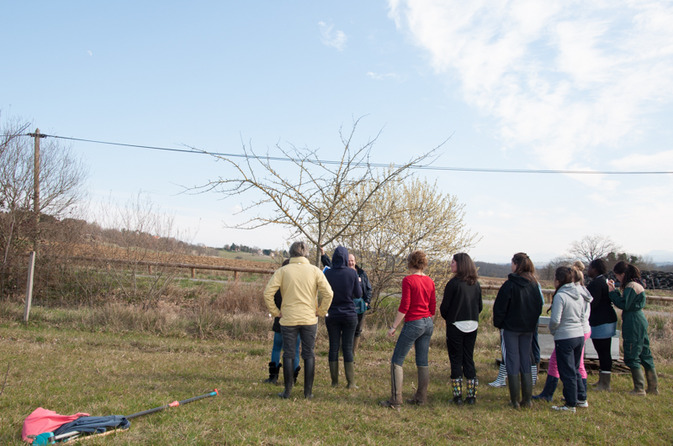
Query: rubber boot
(501, 380)
(309, 374)
(274, 370)
(421, 396)
(296, 373)
(638, 382)
(472, 391)
(350, 375)
(288, 380)
(547, 393)
(526, 390)
(514, 385)
(334, 372)
(652, 382)
(396, 380)
(457, 387)
(533, 371)
(356, 343)
(603, 381)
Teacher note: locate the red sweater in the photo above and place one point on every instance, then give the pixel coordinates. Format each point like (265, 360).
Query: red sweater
(418, 297)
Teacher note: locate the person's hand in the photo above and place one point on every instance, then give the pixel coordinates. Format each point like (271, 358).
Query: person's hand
(391, 331)
(611, 285)
(322, 251)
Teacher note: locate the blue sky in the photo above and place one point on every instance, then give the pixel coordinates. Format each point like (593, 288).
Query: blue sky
(512, 84)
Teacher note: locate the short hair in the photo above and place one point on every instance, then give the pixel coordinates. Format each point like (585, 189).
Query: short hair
(599, 266)
(298, 249)
(417, 260)
(466, 270)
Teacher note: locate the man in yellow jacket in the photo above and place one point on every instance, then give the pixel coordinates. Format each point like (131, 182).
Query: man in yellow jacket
(306, 295)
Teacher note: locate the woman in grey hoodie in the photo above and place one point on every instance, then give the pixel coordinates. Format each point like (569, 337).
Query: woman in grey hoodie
(568, 317)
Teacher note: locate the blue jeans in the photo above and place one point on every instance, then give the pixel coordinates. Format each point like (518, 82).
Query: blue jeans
(568, 357)
(518, 351)
(341, 333)
(290, 338)
(418, 334)
(278, 346)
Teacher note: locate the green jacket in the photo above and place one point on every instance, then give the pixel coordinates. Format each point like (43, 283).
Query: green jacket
(631, 302)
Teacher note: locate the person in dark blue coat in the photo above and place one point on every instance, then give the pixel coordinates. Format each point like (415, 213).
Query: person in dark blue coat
(342, 319)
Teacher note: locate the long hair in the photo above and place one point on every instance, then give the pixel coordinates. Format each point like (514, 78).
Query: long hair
(631, 273)
(578, 275)
(466, 270)
(564, 275)
(524, 266)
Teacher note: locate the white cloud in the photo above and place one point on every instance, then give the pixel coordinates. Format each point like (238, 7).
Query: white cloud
(382, 76)
(563, 80)
(331, 37)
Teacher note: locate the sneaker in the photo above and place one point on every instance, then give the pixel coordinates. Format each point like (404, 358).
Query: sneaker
(564, 408)
(584, 403)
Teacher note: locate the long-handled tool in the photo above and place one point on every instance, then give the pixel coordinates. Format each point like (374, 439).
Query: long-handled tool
(47, 438)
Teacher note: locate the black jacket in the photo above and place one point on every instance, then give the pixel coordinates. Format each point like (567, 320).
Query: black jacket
(518, 305)
(461, 302)
(345, 284)
(602, 311)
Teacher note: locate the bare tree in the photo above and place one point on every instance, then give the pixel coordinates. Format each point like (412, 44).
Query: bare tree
(317, 199)
(61, 177)
(592, 247)
(405, 214)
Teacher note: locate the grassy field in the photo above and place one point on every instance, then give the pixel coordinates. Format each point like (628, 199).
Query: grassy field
(69, 361)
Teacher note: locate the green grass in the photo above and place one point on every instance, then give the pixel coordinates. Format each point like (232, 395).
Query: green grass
(55, 364)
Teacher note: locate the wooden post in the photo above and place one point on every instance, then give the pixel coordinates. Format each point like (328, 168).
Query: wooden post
(29, 286)
(193, 271)
(235, 276)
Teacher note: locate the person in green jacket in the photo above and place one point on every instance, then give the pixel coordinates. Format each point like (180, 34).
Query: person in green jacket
(631, 300)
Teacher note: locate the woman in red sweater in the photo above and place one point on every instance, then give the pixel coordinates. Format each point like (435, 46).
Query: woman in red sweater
(417, 308)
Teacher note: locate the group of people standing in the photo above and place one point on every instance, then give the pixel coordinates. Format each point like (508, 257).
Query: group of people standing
(342, 294)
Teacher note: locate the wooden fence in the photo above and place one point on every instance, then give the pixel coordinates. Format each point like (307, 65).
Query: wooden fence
(548, 293)
(192, 267)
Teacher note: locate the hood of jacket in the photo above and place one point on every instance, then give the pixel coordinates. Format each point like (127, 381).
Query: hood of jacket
(571, 290)
(586, 295)
(340, 258)
(518, 280)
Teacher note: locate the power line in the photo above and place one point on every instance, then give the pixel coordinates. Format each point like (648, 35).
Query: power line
(332, 162)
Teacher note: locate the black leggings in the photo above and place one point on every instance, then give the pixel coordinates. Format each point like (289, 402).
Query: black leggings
(603, 348)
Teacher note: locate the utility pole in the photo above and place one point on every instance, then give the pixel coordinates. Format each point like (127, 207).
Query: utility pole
(36, 211)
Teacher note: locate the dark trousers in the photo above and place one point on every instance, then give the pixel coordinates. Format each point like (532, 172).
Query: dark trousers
(568, 357)
(341, 332)
(460, 346)
(358, 328)
(307, 332)
(604, 349)
(518, 351)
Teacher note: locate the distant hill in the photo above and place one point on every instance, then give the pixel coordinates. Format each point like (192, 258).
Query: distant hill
(493, 269)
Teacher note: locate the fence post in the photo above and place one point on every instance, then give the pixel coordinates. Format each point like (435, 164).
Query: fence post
(29, 286)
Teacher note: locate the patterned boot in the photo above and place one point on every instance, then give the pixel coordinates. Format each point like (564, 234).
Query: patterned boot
(457, 386)
(472, 391)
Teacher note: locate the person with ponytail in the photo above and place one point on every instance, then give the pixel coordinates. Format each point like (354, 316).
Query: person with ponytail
(516, 311)
(568, 319)
(637, 354)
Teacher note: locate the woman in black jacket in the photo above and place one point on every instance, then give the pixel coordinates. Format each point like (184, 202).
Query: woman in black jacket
(516, 311)
(460, 308)
(603, 321)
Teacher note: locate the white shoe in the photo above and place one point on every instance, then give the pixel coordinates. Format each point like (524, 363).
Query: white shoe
(584, 403)
(564, 408)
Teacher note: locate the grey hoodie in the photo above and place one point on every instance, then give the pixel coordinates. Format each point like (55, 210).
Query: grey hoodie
(569, 312)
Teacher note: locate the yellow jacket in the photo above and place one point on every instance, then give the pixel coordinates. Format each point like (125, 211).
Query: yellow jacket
(300, 284)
